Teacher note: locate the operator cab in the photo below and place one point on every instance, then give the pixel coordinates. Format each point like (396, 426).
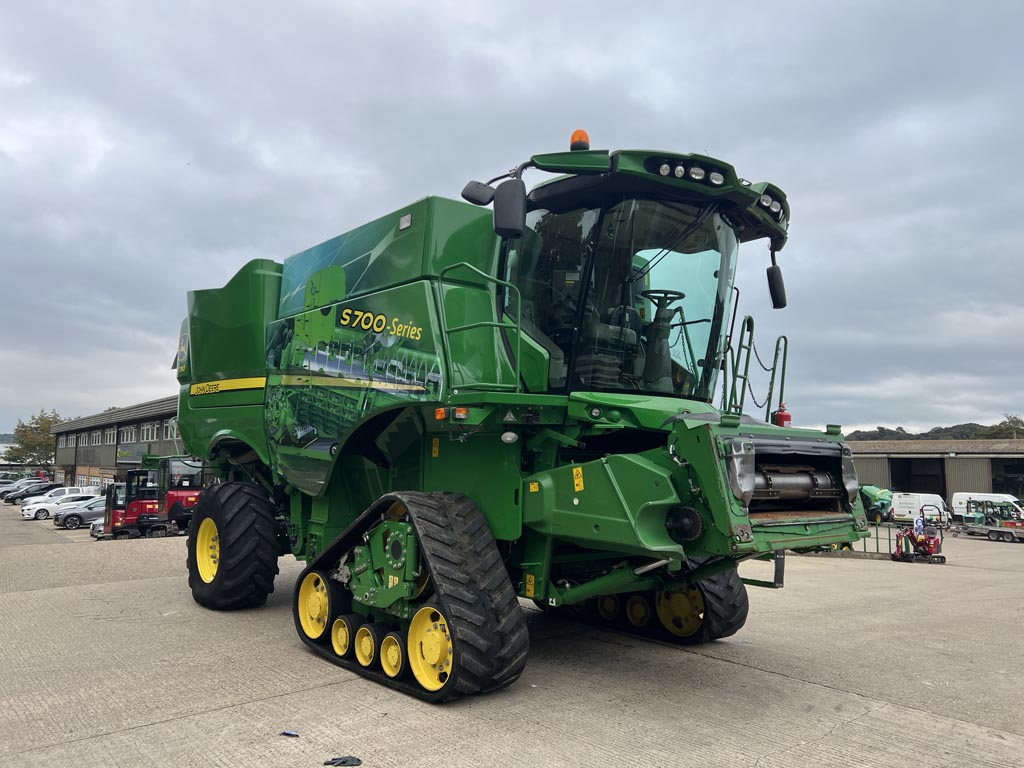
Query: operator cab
(631, 294)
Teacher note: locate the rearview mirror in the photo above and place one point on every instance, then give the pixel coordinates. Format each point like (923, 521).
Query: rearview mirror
(510, 208)
(477, 193)
(776, 286)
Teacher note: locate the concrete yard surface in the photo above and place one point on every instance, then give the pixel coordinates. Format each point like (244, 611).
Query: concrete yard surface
(107, 661)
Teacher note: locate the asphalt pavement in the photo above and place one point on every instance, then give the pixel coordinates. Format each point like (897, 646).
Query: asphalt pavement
(105, 660)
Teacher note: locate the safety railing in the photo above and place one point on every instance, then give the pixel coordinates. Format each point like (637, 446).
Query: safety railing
(736, 383)
(735, 380)
(516, 327)
(781, 349)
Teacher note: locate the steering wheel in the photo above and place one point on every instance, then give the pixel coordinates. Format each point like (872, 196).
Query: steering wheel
(662, 298)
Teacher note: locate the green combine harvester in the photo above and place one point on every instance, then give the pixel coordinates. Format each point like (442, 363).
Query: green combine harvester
(450, 408)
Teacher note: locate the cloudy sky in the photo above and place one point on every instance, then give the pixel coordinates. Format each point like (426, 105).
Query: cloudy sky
(148, 149)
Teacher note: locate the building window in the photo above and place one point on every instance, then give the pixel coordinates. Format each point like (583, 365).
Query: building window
(71, 441)
(81, 481)
(83, 439)
(110, 436)
(58, 476)
(62, 441)
(170, 429)
(127, 435)
(107, 481)
(149, 431)
(94, 480)
(94, 438)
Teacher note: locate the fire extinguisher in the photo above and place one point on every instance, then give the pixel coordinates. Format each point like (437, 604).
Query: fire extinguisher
(782, 417)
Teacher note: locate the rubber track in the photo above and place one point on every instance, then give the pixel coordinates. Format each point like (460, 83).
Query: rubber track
(248, 545)
(471, 586)
(726, 606)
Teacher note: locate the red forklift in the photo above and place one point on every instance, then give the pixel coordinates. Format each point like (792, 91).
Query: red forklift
(154, 501)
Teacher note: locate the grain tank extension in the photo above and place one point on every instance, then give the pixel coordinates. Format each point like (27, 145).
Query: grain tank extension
(450, 408)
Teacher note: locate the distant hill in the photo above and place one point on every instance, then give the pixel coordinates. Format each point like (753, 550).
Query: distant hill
(6, 439)
(1011, 428)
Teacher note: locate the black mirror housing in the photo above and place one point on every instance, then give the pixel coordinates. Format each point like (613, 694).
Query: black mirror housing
(776, 286)
(478, 193)
(510, 208)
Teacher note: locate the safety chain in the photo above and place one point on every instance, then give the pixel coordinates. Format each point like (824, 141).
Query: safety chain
(750, 389)
(764, 367)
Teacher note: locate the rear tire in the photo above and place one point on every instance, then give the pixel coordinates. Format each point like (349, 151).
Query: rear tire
(72, 521)
(244, 533)
(42, 514)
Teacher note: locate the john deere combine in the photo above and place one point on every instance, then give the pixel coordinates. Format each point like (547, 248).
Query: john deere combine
(449, 408)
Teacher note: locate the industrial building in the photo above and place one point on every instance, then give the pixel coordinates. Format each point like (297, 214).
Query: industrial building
(944, 467)
(99, 449)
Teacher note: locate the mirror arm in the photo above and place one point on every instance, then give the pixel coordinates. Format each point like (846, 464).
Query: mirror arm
(514, 173)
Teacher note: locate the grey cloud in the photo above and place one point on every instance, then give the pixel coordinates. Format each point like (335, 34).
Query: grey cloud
(148, 152)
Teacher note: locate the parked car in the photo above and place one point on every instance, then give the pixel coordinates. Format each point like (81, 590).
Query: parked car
(43, 509)
(30, 491)
(73, 516)
(96, 529)
(60, 492)
(18, 485)
(10, 477)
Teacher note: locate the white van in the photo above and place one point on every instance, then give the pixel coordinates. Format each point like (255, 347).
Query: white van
(960, 502)
(907, 506)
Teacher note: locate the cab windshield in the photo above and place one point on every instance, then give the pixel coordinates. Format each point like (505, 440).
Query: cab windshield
(631, 297)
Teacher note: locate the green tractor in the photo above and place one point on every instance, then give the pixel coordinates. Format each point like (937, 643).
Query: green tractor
(451, 408)
(877, 503)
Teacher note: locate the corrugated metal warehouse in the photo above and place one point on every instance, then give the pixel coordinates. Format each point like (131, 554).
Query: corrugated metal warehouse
(944, 467)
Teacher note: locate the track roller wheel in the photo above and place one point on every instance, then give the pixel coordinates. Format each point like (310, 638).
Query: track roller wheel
(714, 608)
(608, 607)
(343, 634)
(393, 657)
(317, 599)
(431, 650)
(368, 641)
(232, 547)
(638, 611)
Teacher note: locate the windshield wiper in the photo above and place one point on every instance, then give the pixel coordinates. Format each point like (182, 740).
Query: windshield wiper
(688, 230)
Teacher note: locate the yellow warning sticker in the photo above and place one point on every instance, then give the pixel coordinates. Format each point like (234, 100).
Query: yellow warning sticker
(530, 589)
(577, 478)
(435, 447)
(534, 487)
(392, 580)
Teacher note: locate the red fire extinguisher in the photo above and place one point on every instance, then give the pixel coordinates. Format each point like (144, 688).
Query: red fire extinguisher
(782, 417)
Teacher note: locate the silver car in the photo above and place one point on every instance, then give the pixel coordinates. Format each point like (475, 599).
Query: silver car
(43, 509)
(73, 516)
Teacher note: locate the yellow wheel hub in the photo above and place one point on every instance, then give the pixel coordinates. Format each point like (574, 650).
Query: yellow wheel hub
(431, 652)
(341, 637)
(313, 605)
(638, 611)
(391, 655)
(681, 611)
(207, 550)
(608, 607)
(366, 648)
